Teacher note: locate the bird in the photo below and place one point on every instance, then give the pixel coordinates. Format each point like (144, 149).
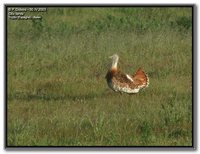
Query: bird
(125, 83)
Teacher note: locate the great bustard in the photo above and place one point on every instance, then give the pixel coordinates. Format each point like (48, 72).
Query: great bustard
(121, 82)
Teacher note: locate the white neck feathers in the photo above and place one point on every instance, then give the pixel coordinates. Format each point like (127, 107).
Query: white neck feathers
(115, 59)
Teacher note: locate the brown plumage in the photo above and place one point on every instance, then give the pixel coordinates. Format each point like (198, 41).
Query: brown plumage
(120, 82)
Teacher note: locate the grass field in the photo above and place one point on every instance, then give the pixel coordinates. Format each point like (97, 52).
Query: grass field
(57, 93)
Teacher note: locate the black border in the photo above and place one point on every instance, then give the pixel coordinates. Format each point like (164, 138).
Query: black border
(110, 148)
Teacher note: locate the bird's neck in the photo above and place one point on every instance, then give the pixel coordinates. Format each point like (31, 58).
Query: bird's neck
(114, 64)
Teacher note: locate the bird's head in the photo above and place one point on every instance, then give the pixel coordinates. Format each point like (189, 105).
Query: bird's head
(114, 57)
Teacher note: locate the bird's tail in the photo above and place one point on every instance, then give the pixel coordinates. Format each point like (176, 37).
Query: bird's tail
(142, 77)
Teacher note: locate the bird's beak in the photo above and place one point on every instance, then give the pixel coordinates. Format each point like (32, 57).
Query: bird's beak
(111, 57)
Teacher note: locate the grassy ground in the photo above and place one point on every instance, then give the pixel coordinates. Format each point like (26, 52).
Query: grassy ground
(57, 93)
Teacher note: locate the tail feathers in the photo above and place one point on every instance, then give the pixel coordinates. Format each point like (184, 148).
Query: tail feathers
(141, 77)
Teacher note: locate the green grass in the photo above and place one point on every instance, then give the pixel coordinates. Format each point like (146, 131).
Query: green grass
(57, 93)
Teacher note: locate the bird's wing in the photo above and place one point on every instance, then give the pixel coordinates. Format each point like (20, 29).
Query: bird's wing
(139, 80)
(123, 78)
